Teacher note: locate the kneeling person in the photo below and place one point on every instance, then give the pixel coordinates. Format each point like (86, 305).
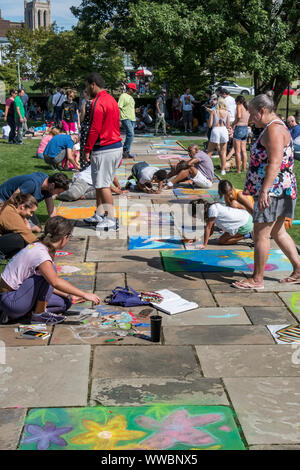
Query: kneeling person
(30, 285)
(15, 229)
(59, 148)
(146, 175)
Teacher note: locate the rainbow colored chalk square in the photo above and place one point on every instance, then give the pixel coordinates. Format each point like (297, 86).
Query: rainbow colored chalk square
(220, 260)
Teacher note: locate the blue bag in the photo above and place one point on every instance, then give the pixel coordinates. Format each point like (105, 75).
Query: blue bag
(124, 296)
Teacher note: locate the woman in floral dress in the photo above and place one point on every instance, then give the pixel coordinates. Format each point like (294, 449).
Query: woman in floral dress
(272, 183)
(85, 116)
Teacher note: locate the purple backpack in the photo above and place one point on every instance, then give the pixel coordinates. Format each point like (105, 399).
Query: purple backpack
(124, 296)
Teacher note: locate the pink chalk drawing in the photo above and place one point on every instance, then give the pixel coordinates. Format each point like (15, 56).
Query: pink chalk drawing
(269, 267)
(178, 427)
(225, 428)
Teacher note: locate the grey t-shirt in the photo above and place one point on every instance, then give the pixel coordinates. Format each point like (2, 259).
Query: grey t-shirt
(205, 165)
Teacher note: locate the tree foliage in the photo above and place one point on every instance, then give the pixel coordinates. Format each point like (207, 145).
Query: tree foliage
(188, 39)
(69, 66)
(27, 42)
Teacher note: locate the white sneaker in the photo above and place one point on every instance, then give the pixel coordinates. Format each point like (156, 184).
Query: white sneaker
(223, 172)
(94, 220)
(108, 224)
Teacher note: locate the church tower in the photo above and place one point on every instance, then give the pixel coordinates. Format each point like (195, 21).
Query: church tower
(37, 14)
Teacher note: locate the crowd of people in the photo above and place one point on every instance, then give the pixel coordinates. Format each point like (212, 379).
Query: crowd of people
(29, 284)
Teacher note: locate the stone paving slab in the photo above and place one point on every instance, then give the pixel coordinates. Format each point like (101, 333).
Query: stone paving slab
(137, 362)
(81, 230)
(208, 316)
(130, 267)
(125, 255)
(247, 361)
(77, 245)
(85, 283)
(96, 244)
(164, 280)
(269, 315)
(148, 391)
(292, 301)
(243, 299)
(11, 338)
(275, 447)
(198, 335)
(45, 377)
(267, 408)
(92, 335)
(276, 286)
(220, 278)
(108, 281)
(11, 425)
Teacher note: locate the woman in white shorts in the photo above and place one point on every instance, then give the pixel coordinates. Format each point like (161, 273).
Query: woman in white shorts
(219, 122)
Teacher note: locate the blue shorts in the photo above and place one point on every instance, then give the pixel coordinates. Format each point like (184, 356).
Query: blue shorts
(240, 133)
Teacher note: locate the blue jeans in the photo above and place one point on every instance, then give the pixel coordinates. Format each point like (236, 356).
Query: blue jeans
(129, 128)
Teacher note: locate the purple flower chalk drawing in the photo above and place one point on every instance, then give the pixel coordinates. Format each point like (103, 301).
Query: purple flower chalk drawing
(178, 427)
(46, 436)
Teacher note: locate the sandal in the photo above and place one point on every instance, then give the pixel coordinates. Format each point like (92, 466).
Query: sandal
(291, 280)
(246, 285)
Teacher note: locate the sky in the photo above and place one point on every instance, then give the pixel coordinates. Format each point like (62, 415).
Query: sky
(60, 11)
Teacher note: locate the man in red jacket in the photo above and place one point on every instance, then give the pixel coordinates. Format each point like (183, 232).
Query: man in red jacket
(104, 150)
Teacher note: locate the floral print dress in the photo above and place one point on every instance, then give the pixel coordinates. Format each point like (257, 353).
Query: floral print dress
(84, 133)
(284, 183)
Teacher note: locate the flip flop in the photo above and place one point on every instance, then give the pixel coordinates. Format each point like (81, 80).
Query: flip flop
(290, 280)
(246, 285)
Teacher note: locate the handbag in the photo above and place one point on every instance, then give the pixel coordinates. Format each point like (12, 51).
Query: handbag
(124, 296)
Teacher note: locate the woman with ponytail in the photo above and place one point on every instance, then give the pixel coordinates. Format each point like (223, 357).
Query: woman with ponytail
(15, 231)
(30, 285)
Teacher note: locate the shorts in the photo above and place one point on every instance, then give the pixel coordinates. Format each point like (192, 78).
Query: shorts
(201, 181)
(69, 126)
(219, 135)
(279, 206)
(104, 165)
(247, 228)
(137, 170)
(187, 116)
(240, 133)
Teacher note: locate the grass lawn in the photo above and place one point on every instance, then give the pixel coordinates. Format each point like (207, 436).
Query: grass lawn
(238, 182)
(18, 160)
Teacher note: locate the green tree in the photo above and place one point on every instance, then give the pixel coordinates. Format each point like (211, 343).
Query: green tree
(9, 75)
(69, 66)
(265, 40)
(27, 43)
(194, 39)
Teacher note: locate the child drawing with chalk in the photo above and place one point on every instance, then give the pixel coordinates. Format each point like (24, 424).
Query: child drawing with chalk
(30, 286)
(235, 223)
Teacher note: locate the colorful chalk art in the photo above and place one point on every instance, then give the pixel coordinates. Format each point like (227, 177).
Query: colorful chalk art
(151, 243)
(220, 260)
(285, 334)
(159, 427)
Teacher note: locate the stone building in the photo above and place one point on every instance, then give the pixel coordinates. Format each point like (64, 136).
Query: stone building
(37, 14)
(5, 26)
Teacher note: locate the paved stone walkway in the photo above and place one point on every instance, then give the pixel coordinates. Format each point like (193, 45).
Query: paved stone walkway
(217, 359)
